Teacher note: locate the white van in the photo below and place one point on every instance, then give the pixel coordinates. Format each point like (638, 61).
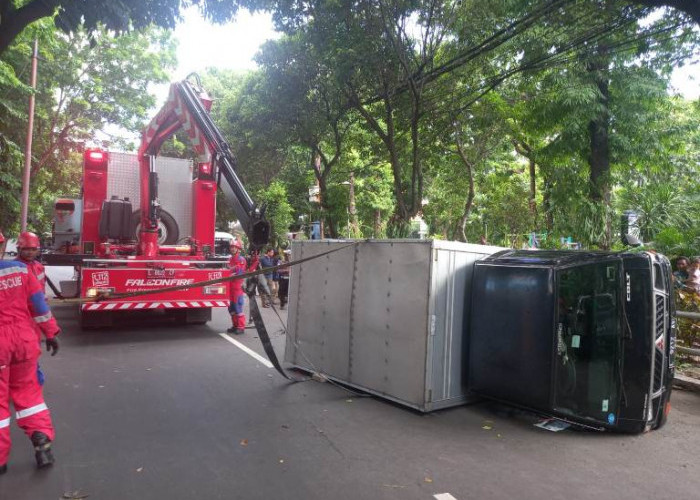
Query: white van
(222, 243)
(11, 248)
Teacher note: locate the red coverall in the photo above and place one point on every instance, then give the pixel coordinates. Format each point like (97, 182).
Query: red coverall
(23, 306)
(237, 295)
(37, 269)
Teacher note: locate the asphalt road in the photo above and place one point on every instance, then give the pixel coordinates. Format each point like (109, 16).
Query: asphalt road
(148, 410)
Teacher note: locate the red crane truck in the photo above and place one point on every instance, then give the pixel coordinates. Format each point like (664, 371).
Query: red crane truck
(169, 239)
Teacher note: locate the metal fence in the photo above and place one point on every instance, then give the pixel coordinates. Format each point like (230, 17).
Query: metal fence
(689, 315)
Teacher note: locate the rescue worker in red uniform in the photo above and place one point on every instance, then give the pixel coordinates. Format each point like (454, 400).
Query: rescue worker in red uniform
(238, 265)
(23, 306)
(28, 249)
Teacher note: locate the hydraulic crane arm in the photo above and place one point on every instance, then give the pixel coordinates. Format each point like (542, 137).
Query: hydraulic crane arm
(187, 108)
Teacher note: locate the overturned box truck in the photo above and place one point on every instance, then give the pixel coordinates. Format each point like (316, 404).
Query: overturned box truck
(584, 336)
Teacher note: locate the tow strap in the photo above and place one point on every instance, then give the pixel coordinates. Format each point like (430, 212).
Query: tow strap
(254, 309)
(265, 338)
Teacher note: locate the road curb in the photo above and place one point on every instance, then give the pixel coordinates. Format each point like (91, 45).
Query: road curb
(687, 383)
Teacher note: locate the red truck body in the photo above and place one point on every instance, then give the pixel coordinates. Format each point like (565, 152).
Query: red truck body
(159, 241)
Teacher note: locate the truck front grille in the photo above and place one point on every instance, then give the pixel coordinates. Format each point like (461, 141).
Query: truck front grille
(660, 335)
(658, 369)
(660, 316)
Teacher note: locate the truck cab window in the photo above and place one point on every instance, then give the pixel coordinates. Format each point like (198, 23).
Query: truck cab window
(588, 334)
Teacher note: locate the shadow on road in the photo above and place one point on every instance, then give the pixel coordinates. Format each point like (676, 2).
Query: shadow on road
(129, 327)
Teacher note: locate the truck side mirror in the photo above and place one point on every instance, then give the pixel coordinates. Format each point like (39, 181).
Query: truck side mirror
(631, 240)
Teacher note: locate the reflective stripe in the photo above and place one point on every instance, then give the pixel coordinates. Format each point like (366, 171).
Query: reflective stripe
(43, 319)
(5, 423)
(28, 412)
(167, 305)
(182, 304)
(140, 305)
(126, 305)
(154, 305)
(40, 276)
(195, 304)
(13, 270)
(110, 306)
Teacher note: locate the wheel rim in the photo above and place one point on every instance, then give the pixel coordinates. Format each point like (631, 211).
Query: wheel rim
(162, 232)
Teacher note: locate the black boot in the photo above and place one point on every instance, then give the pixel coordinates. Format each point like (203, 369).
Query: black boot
(3, 469)
(42, 446)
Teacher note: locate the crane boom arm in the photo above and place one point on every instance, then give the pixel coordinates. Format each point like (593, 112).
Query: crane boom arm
(187, 108)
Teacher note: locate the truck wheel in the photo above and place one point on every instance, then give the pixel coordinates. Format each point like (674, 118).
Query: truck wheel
(168, 232)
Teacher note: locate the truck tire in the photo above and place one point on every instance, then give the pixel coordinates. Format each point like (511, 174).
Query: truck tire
(168, 232)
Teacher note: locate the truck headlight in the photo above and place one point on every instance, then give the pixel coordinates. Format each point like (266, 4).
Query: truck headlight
(91, 293)
(214, 290)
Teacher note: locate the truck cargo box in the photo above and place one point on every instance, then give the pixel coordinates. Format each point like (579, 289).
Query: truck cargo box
(385, 316)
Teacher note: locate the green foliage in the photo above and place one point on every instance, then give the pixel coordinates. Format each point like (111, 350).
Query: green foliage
(84, 86)
(420, 101)
(278, 212)
(118, 17)
(659, 206)
(688, 334)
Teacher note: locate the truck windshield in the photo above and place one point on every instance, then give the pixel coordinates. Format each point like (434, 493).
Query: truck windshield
(588, 347)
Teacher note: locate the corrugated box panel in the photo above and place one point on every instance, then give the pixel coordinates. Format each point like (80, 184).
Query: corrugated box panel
(386, 316)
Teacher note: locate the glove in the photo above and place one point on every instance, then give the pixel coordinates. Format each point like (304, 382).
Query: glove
(52, 346)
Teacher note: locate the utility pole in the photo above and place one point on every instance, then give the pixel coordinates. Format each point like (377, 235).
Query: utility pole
(28, 147)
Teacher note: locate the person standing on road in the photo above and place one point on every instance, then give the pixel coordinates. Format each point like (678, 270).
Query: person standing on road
(252, 283)
(681, 272)
(258, 282)
(238, 265)
(269, 260)
(27, 252)
(284, 281)
(693, 281)
(23, 306)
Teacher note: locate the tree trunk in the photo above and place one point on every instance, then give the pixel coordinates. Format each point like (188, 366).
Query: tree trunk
(599, 158)
(377, 223)
(547, 204)
(13, 21)
(325, 219)
(532, 202)
(524, 149)
(462, 228)
(352, 209)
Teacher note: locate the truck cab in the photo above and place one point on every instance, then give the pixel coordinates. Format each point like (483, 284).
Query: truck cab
(584, 336)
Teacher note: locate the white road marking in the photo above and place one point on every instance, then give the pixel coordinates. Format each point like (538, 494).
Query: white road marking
(444, 496)
(247, 350)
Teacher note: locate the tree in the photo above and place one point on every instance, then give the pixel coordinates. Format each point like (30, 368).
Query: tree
(690, 7)
(279, 212)
(83, 87)
(94, 15)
